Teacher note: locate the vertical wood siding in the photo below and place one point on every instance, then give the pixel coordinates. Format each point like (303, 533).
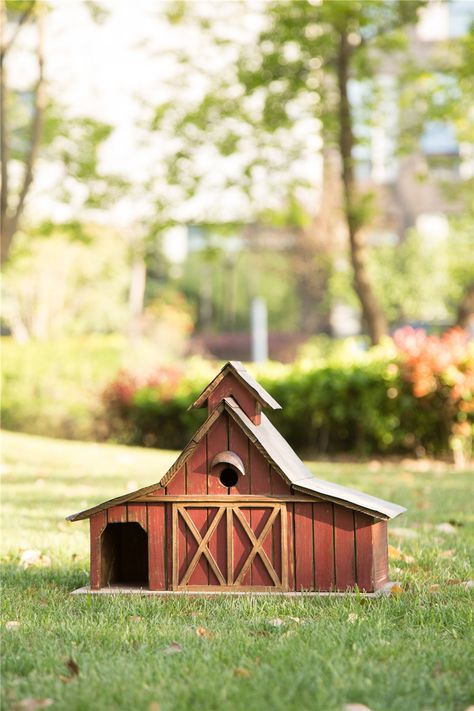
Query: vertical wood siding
(98, 523)
(344, 545)
(380, 553)
(157, 547)
(304, 556)
(364, 553)
(323, 541)
(230, 386)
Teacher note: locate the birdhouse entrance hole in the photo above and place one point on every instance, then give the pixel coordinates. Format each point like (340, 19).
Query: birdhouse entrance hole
(228, 477)
(124, 553)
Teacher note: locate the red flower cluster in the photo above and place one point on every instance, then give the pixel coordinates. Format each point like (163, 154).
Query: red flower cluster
(434, 361)
(121, 391)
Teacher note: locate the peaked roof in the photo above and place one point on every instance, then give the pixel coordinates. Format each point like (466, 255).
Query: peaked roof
(279, 453)
(236, 367)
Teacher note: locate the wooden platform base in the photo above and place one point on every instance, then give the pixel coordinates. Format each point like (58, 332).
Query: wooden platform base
(119, 590)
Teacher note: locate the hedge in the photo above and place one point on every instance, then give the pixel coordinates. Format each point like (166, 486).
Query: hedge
(416, 397)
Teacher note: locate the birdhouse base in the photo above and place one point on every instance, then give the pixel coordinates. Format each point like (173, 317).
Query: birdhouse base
(124, 590)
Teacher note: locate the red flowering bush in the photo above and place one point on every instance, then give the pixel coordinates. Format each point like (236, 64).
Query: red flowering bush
(441, 368)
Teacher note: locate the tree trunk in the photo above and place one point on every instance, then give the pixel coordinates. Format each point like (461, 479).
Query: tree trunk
(371, 311)
(466, 307)
(10, 217)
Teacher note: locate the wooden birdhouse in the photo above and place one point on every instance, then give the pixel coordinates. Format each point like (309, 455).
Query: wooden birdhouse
(239, 511)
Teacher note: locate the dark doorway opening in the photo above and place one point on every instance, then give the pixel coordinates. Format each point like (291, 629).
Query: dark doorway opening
(124, 554)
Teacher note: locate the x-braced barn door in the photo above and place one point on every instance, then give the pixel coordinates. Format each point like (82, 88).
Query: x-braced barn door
(230, 546)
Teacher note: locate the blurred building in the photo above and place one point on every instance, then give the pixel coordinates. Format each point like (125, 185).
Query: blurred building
(410, 187)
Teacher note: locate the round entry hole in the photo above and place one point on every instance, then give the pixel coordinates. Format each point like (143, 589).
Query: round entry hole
(228, 477)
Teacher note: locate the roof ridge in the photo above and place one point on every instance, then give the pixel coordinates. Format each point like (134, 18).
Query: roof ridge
(247, 380)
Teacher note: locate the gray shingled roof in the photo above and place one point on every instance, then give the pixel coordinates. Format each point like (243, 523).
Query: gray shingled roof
(236, 367)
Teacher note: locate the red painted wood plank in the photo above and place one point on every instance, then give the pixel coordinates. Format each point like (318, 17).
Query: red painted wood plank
(200, 575)
(98, 523)
(177, 485)
(182, 548)
(276, 544)
(168, 546)
(230, 386)
(239, 443)
(242, 547)
(156, 547)
(218, 546)
(137, 513)
(159, 491)
(290, 513)
(323, 531)
(197, 469)
(364, 555)
(344, 545)
(380, 553)
(117, 514)
(258, 518)
(217, 441)
(304, 574)
(260, 475)
(277, 483)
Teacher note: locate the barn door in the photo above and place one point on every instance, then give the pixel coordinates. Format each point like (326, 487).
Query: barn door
(230, 546)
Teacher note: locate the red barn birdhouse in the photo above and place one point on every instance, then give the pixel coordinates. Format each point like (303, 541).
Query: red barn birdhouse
(239, 511)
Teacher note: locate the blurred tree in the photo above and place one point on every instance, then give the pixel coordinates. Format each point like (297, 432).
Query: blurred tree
(53, 286)
(316, 50)
(34, 126)
(303, 65)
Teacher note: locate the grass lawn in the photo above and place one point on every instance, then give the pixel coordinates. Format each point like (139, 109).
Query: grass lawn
(407, 652)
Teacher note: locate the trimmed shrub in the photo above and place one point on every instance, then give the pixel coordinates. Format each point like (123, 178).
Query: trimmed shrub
(413, 396)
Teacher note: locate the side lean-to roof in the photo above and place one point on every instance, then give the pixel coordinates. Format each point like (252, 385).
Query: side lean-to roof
(281, 456)
(236, 367)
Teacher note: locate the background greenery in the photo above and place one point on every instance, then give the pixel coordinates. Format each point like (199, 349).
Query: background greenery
(335, 398)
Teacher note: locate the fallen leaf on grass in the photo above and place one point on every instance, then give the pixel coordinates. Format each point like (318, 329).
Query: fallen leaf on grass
(31, 557)
(135, 618)
(12, 625)
(356, 707)
(73, 669)
(154, 706)
(276, 622)
(173, 648)
(397, 554)
(445, 528)
(203, 632)
(434, 588)
(352, 617)
(241, 673)
(396, 590)
(468, 584)
(31, 704)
